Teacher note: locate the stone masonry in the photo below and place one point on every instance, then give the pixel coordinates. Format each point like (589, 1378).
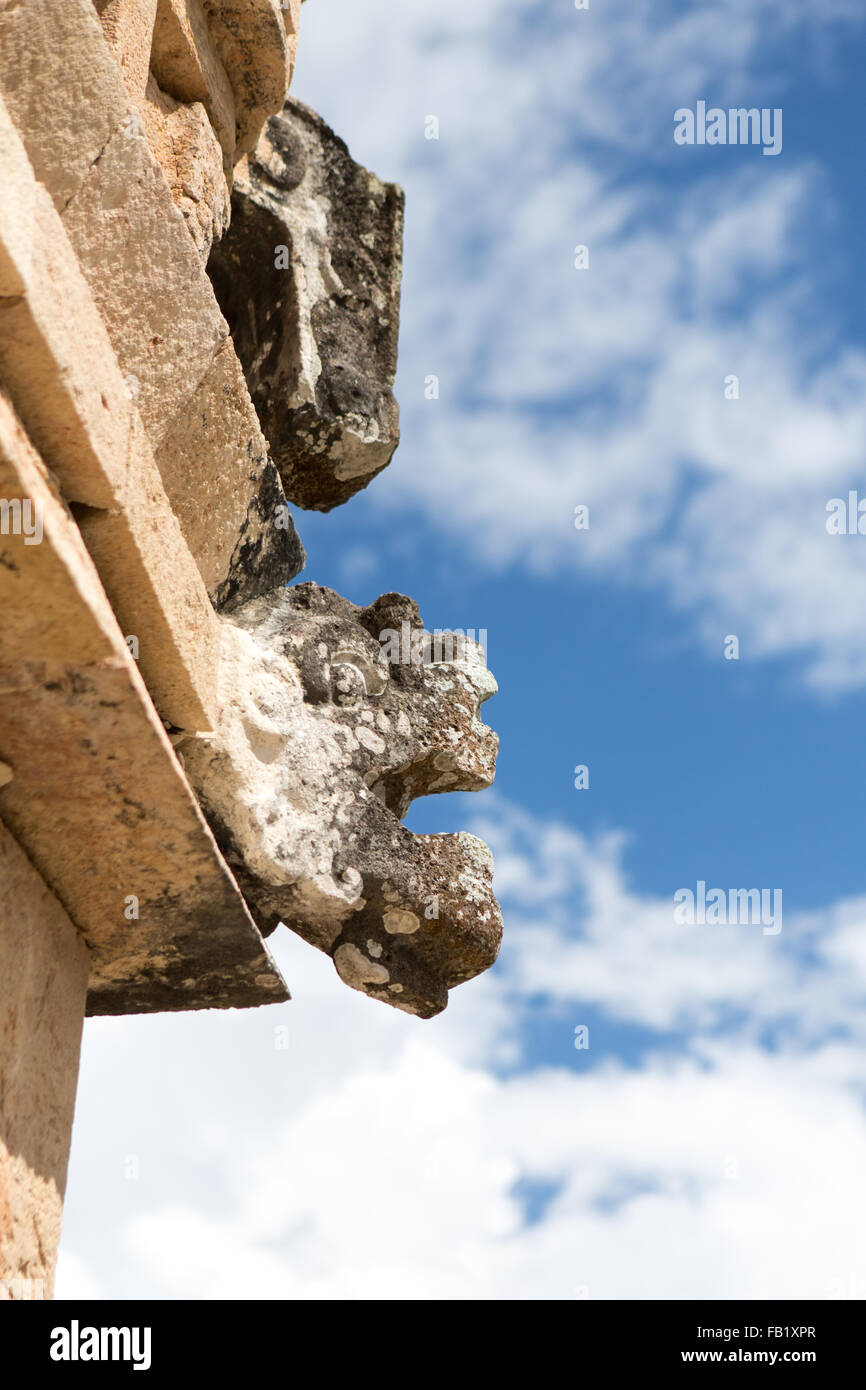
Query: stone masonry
(199, 303)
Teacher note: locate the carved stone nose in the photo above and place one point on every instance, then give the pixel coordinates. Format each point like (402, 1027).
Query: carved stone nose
(429, 920)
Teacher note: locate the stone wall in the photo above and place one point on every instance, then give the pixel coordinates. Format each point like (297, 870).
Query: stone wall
(199, 301)
(44, 968)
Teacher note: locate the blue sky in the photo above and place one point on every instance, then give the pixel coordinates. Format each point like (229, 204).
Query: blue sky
(711, 1141)
(731, 766)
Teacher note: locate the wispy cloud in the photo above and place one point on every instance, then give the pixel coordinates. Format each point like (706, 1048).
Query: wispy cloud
(607, 386)
(374, 1157)
(711, 1140)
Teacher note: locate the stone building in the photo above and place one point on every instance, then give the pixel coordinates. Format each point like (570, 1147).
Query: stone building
(199, 295)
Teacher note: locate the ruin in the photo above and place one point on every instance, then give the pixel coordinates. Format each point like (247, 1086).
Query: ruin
(199, 297)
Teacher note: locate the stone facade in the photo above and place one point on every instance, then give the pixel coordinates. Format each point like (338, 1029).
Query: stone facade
(199, 299)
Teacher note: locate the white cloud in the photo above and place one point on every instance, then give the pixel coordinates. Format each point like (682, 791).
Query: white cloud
(606, 386)
(722, 1155)
(381, 1158)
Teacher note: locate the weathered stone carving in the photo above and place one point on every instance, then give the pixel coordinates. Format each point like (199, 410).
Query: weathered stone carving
(308, 277)
(321, 747)
(257, 41)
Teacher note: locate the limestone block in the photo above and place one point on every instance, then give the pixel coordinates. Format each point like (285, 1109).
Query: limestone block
(59, 366)
(185, 63)
(67, 387)
(146, 277)
(165, 329)
(226, 491)
(292, 17)
(17, 210)
(128, 29)
(321, 746)
(308, 277)
(157, 592)
(82, 412)
(183, 141)
(251, 39)
(37, 555)
(44, 966)
(63, 89)
(97, 797)
(186, 102)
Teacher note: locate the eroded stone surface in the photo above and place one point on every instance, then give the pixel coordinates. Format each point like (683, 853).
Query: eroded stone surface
(63, 89)
(226, 64)
(181, 370)
(96, 796)
(186, 65)
(147, 280)
(226, 491)
(184, 143)
(68, 390)
(44, 967)
(321, 747)
(128, 29)
(256, 41)
(308, 277)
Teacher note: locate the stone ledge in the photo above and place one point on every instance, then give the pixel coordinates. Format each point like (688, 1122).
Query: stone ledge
(186, 65)
(66, 385)
(148, 284)
(44, 967)
(62, 87)
(97, 797)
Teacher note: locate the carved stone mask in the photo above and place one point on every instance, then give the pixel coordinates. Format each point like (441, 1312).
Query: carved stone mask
(334, 718)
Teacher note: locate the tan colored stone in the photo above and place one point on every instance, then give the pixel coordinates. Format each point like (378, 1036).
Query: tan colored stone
(62, 86)
(185, 63)
(292, 15)
(157, 593)
(54, 626)
(183, 141)
(154, 585)
(225, 490)
(146, 278)
(98, 799)
(82, 415)
(44, 967)
(67, 387)
(251, 39)
(128, 29)
(60, 367)
(18, 212)
(66, 96)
